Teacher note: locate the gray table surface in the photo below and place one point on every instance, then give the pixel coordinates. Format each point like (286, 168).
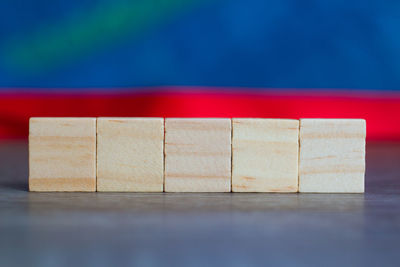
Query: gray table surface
(233, 229)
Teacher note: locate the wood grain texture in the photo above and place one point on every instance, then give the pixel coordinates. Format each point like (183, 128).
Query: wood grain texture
(62, 154)
(130, 154)
(332, 155)
(197, 155)
(265, 155)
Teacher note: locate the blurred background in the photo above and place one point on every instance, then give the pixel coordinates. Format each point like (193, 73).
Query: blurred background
(191, 58)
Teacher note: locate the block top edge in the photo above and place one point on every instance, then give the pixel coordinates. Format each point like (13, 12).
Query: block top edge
(130, 118)
(265, 119)
(309, 122)
(196, 119)
(332, 119)
(33, 119)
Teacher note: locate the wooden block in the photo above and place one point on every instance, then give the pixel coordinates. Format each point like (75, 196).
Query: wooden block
(62, 154)
(197, 155)
(130, 154)
(265, 155)
(332, 155)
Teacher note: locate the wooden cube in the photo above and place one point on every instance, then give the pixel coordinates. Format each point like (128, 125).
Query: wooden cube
(197, 155)
(332, 155)
(130, 154)
(62, 154)
(265, 155)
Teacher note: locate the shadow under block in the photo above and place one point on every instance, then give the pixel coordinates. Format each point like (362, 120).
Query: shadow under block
(332, 155)
(130, 154)
(265, 155)
(197, 155)
(62, 154)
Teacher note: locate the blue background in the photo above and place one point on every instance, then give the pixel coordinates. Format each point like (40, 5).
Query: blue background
(238, 43)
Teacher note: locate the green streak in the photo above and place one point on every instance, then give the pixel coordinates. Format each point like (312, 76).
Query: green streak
(56, 44)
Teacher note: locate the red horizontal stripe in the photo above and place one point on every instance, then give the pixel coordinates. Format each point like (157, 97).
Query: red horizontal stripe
(381, 110)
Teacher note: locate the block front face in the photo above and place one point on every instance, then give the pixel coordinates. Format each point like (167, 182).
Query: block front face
(332, 155)
(265, 155)
(130, 154)
(62, 154)
(197, 155)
